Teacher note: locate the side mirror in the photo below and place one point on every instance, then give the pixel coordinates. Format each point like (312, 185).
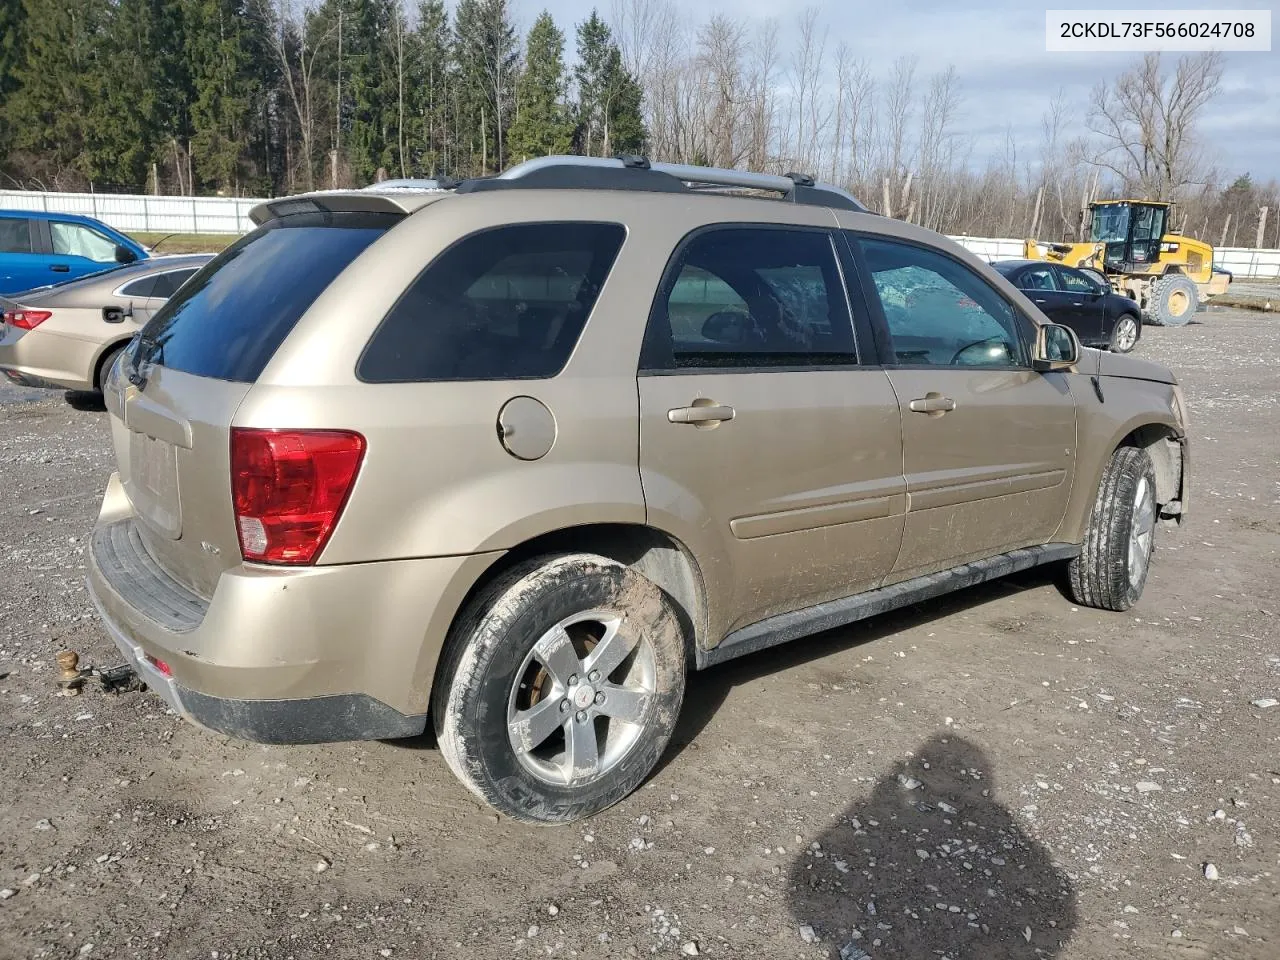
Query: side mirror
(1056, 348)
(124, 254)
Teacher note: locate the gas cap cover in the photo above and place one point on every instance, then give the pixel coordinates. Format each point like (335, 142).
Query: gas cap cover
(526, 428)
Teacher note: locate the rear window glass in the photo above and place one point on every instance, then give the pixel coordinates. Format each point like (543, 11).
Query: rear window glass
(228, 321)
(503, 304)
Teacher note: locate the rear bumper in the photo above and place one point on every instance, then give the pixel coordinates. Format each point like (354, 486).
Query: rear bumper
(349, 716)
(302, 655)
(32, 358)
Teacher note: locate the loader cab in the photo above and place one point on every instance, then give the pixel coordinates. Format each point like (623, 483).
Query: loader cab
(1132, 231)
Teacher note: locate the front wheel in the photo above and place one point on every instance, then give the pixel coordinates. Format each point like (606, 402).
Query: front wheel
(1111, 570)
(560, 687)
(1125, 334)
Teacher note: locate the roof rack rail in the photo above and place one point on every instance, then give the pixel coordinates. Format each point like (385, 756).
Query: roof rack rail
(638, 173)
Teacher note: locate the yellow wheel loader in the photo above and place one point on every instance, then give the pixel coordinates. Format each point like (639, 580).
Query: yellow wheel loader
(1167, 274)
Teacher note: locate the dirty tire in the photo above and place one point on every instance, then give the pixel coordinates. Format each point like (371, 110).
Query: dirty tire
(1103, 575)
(486, 655)
(1174, 301)
(1125, 334)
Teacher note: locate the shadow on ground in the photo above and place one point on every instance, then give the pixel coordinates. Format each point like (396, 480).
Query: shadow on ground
(86, 401)
(930, 865)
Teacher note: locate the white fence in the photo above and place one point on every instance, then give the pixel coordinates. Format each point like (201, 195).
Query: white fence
(231, 215)
(991, 248)
(142, 213)
(1248, 262)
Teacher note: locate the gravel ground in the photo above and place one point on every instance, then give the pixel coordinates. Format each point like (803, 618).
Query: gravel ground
(997, 774)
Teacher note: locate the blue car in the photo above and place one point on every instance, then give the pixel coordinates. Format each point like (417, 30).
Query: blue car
(38, 249)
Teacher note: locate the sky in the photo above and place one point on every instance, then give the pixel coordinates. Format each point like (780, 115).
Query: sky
(1007, 79)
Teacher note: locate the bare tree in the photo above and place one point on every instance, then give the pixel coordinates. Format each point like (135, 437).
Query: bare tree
(1146, 120)
(296, 54)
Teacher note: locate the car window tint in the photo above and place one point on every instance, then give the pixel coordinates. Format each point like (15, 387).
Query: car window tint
(501, 304)
(15, 235)
(139, 288)
(167, 284)
(1037, 278)
(236, 311)
(752, 297)
(77, 240)
(939, 311)
(1076, 282)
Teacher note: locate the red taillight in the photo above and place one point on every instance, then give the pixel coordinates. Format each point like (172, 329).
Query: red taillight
(160, 665)
(289, 488)
(26, 319)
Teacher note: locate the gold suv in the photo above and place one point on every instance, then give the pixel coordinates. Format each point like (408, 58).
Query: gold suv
(510, 459)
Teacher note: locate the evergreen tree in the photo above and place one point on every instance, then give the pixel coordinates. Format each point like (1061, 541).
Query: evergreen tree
(432, 76)
(12, 15)
(542, 125)
(228, 52)
(49, 114)
(371, 86)
(486, 55)
(609, 97)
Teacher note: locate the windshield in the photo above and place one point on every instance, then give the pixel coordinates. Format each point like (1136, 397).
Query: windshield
(1110, 223)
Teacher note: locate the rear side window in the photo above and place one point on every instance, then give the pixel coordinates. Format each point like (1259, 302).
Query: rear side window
(15, 235)
(139, 288)
(167, 284)
(236, 311)
(503, 304)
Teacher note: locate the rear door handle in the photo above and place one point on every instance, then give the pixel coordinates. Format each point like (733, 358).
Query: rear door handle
(701, 413)
(1038, 300)
(60, 268)
(933, 404)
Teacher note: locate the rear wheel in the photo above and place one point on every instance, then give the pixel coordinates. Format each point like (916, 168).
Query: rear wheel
(104, 365)
(1125, 333)
(1174, 300)
(560, 687)
(1116, 554)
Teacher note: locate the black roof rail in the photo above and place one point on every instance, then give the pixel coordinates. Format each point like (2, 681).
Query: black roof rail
(637, 173)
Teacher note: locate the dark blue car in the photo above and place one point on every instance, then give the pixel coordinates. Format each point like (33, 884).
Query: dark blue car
(38, 249)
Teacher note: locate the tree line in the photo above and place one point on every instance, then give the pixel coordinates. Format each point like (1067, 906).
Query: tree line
(253, 97)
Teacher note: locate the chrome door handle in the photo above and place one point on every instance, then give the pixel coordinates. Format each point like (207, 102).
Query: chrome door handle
(1038, 300)
(934, 404)
(701, 413)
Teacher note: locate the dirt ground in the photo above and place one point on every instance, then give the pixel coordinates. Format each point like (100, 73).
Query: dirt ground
(998, 774)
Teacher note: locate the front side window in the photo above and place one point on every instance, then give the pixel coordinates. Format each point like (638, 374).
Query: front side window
(1074, 282)
(939, 311)
(15, 235)
(752, 297)
(503, 304)
(77, 240)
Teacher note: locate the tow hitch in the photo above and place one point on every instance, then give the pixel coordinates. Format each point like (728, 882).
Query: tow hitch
(115, 680)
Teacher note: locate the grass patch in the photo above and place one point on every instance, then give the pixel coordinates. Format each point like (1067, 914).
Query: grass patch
(166, 243)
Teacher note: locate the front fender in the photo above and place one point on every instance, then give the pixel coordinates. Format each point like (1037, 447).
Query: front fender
(1141, 409)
